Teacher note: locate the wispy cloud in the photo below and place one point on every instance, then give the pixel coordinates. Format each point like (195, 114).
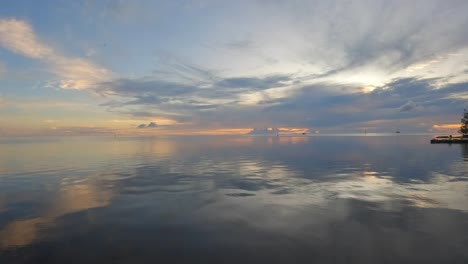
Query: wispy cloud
(240, 44)
(75, 73)
(255, 82)
(306, 63)
(379, 40)
(315, 107)
(176, 99)
(18, 36)
(409, 106)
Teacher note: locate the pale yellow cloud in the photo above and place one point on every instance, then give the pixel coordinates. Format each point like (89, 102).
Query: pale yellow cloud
(18, 36)
(78, 73)
(75, 73)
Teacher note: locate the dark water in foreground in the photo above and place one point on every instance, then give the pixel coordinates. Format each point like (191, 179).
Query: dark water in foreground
(374, 199)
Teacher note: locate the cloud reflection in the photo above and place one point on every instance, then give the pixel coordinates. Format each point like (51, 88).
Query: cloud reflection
(266, 196)
(70, 199)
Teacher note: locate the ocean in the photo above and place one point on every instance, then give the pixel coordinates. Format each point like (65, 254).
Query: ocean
(233, 199)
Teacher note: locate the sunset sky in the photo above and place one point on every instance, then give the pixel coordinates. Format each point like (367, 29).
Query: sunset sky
(225, 67)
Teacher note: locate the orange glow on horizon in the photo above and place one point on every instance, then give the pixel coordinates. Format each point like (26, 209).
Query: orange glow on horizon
(446, 127)
(121, 128)
(176, 131)
(293, 130)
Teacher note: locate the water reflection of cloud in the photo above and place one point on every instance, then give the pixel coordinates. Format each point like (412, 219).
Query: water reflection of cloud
(3, 205)
(270, 140)
(293, 139)
(442, 192)
(69, 199)
(39, 156)
(315, 192)
(287, 187)
(464, 148)
(269, 180)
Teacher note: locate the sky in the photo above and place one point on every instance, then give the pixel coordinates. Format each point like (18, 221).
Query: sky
(225, 67)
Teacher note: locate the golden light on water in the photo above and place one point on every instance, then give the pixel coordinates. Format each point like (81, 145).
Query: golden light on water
(71, 199)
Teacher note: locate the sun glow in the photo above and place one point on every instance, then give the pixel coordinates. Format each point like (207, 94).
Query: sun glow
(444, 127)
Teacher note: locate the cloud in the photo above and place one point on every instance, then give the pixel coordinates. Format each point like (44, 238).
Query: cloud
(409, 106)
(142, 114)
(3, 69)
(372, 42)
(75, 73)
(326, 55)
(150, 125)
(240, 44)
(264, 131)
(316, 106)
(180, 101)
(444, 127)
(254, 82)
(140, 86)
(19, 37)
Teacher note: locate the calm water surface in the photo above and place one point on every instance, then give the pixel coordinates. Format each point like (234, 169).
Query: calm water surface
(340, 199)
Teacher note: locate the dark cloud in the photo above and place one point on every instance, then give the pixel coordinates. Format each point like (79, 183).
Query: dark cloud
(320, 105)
(264, 131)
(146, 91)
(143, 100)
(316, 39)
(409, 106)
(141, 88)
(173, 68)
(147, 97)
(311, 106)
(139, 114)
(240, 44)
(254, 82)
(150, 125)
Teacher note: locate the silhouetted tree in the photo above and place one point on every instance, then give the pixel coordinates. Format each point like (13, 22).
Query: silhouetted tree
(464, 127)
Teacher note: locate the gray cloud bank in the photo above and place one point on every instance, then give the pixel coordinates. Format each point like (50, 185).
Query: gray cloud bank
(330, 38)
(314, 106)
